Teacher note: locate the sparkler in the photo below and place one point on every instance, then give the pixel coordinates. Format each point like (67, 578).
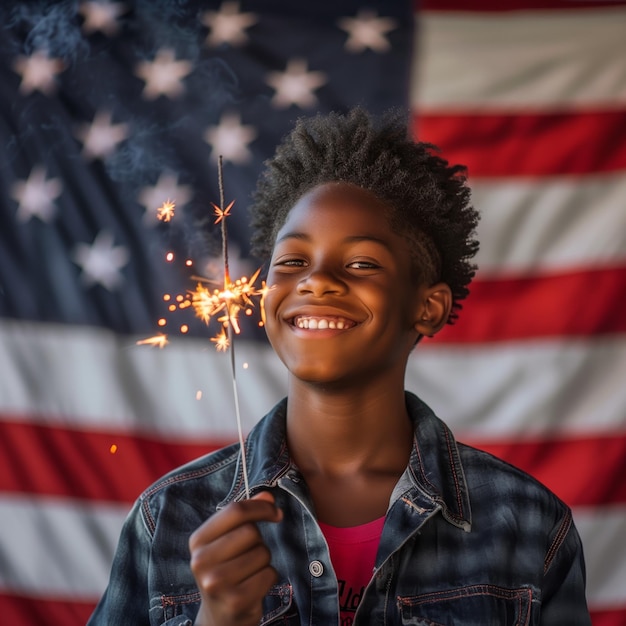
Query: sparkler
(228, 302)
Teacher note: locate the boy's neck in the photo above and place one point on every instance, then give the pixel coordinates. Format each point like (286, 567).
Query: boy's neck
(349, 431)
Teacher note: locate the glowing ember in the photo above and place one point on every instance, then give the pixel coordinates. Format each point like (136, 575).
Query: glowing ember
(166, 211)
(160, 341)
(222, 213)
(221, 341)
(233, 298)
(169, 256)
(113, 449)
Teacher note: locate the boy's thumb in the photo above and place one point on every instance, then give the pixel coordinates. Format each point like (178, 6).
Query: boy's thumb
(266, 496)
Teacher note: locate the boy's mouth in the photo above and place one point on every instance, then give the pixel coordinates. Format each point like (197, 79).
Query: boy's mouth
(311, 322)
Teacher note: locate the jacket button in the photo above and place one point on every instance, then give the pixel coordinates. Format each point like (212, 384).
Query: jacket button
(316, 568)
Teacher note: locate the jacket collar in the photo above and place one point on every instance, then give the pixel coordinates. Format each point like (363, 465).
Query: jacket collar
(435, 465)
(435, 470)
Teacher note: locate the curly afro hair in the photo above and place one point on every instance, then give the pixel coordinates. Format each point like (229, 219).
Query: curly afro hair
(428, 200)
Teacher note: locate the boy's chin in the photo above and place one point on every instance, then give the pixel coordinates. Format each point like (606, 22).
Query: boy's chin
(324, 378)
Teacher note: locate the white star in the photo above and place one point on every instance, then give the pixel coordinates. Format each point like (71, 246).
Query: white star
(295, 85)
(166, 188)
(163, 75)
(230, 139)
(38, 72)
(101, 261)
(101, 16)
(366, 30)
(228, 24)
(101, 137)
(36, 195)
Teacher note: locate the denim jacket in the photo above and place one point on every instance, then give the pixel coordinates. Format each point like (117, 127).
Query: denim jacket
(515, 558)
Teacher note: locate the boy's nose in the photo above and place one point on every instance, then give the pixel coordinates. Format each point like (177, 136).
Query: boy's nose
(319, 282)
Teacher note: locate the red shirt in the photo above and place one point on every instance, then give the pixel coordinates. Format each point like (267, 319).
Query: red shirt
(353, 555)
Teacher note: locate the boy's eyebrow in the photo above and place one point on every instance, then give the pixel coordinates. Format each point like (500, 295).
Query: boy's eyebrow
(357, 238)
(351, 239)
(293, 235)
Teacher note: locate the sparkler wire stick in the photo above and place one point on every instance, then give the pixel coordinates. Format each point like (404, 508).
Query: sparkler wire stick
(230, 333)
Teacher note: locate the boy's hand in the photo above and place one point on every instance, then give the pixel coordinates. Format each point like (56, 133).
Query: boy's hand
(231, 564)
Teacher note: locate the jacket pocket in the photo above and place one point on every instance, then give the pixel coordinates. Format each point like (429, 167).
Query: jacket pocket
(180, 609)
(278, 607)
(474, 605)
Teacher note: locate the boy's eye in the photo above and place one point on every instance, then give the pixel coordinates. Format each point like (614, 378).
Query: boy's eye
(363, 265)
(290, 263)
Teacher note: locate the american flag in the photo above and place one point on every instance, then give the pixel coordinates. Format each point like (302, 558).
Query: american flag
(108, 109)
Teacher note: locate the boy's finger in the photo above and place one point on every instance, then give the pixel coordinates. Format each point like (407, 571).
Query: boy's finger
(264, 495)
(257, 509)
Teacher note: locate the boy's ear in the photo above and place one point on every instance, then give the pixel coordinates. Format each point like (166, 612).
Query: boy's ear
(434, 309)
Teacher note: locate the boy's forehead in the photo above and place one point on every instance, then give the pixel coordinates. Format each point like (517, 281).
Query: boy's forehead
(339, 197)
(337, 209)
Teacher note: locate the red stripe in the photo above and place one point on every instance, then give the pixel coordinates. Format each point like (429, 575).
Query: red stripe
(63, 462)
(577, 304)
(582, 472)
(531, 144)
(35, 611)
(78, 464)
(497, 6)
(612, 617)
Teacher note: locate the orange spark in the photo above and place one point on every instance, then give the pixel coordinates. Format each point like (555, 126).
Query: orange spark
(222, 213)
(166, 211)
(159, 341)
(221, 341)
(113, 449)
(235, 297)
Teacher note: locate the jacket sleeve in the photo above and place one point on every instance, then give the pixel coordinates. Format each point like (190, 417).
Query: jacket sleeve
(563, 595)
(126, 598)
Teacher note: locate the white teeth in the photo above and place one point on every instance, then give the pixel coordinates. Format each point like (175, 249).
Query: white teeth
(314, 323)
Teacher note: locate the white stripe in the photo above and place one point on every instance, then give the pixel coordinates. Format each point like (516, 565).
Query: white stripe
(556, 224)
(525, 389)
(521, 60)
(88, 378)
(602, 531)
(61, 548)
(92, 378)
(52, 547)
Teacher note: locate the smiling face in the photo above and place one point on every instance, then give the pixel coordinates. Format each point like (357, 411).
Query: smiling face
(343, 306)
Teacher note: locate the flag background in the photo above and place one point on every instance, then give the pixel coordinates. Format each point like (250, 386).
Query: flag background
(107, 110)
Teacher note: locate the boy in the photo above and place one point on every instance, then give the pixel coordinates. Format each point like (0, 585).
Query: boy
(364, 510)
